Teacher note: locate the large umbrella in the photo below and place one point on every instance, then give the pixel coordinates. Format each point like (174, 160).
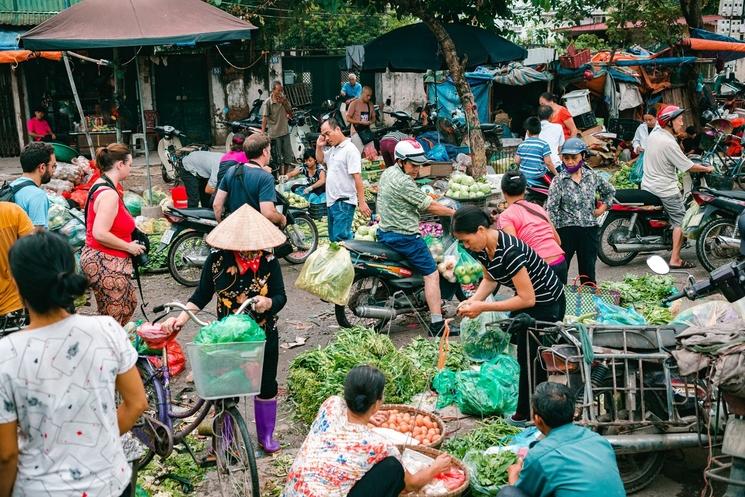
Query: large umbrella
(134, 23)
(414, 48)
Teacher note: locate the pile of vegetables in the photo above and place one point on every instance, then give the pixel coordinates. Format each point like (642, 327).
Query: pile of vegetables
(369, 233)
(645, 293)
(464, 187)
(420, 427)
(74, 173)
(318, 374)
(436, 248)
(359, 220)
(489, 471)
(423, 353)
(492, 432)
(372, 165)
(323, 227)
(620, 178)
(431, 229)
(296, 201)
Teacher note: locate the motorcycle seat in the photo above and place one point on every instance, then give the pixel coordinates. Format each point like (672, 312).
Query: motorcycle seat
(198, 212)
(373, 248)
(738, 195)
(487, 127)
(640, 197)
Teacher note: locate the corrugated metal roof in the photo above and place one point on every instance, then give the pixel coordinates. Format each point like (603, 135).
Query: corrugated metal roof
(30, 12)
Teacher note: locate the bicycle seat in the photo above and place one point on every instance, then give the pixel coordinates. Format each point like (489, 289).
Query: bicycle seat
(197, 212)
(738, 195)
(638, 197)
(375, 249)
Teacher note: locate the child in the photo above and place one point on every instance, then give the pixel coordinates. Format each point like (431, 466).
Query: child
(533, 155)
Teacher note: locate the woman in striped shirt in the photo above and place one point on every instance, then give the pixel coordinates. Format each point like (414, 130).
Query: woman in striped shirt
(510, 262)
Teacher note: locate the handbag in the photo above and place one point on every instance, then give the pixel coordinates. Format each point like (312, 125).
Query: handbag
(365, 133)
(579, 298)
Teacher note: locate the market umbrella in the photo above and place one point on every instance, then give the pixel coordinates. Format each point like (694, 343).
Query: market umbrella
(414, 48)
(134, 23)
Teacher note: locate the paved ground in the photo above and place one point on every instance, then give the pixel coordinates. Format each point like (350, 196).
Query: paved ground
(306, 316)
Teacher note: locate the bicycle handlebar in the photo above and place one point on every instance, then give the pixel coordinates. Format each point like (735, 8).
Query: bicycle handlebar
(171, 306)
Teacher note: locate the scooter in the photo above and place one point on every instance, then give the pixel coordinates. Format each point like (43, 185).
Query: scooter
(718, 239)
(247, 126)
(187, 249)
(385, 287)
(172, 152)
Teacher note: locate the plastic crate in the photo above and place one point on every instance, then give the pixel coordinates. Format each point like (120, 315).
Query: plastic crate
(585, 121)
(226, 369)
(574, 59)
(317, 211)
(625, 129)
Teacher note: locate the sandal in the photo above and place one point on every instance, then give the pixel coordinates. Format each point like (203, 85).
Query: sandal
(684, 265)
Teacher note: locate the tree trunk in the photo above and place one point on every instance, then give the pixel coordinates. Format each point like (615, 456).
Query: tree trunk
(692, 13)
(457, 72)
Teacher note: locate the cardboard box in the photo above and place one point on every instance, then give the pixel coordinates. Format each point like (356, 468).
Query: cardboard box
(425, 171)
(440, 169)
(588, 138)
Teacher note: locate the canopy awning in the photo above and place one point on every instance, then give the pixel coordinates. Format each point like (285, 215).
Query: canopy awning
(106, 24)
(514, 74)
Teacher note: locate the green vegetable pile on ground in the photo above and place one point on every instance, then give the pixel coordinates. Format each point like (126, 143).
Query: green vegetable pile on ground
(620, 178)
(645, 293)
(318, 374)
(488, 471)
(424, 353)
(179, 464)
(488, 433)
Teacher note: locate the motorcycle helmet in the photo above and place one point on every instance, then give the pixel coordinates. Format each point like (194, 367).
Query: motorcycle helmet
(668, 113)
(574, 146)
(410, 150)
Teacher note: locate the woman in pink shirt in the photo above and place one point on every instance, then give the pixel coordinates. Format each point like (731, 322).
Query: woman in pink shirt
(38, 127)
(530, 223)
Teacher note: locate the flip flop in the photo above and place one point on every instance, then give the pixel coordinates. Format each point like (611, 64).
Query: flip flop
(685, 265)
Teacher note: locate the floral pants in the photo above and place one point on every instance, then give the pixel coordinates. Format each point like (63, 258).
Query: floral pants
(112, 283)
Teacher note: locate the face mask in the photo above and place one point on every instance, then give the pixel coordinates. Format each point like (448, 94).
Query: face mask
(575, 168)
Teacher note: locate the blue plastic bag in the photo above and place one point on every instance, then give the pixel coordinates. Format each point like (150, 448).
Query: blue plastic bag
(438, 153)
(615, 314)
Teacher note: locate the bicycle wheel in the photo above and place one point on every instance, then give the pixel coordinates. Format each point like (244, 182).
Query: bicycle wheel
(236, 462)
(155, 437)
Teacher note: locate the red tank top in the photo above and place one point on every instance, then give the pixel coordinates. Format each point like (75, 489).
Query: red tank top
(122, 227)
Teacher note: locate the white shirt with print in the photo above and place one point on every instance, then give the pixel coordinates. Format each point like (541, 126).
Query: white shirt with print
(342, 161)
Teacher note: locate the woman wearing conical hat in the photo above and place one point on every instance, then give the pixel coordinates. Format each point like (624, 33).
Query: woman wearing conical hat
(242, 266)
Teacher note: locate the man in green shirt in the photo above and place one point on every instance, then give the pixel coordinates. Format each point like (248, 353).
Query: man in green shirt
(400, 202)
(570, 461)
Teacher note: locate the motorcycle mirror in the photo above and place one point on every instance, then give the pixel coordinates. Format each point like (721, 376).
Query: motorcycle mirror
(658, 265)
(261, 92)
(388, 102)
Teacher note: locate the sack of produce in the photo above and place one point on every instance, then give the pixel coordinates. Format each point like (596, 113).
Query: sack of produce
(436, 246)
(490, 391)
(328, 274)
(76, 173)
(615, 314)
(59, 186)
(231, 329)
(488, 472)
(58, 216)
(74, 231)
(706, 315)
(482, 337)
(133, 203)
(458, 265)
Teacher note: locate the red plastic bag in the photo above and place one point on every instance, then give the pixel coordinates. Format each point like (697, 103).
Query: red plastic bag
(452, 478)
(176, 359)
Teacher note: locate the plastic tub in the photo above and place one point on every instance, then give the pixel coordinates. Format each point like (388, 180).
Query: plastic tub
(179, 197)
(63, 153)
(226, 369)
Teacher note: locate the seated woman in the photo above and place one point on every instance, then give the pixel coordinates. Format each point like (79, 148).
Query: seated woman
(342, 455)
(315, 173)
(243, 266)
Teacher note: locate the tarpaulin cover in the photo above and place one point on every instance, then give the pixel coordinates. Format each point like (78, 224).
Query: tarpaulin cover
(9, 39)
(414, 48)
(714, 45)
(17, 56)
(662, 61)
(106, 24)
(569, 74)
(445, 97)
(514, 74)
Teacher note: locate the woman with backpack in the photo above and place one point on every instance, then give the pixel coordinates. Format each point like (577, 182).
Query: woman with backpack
(109, 247)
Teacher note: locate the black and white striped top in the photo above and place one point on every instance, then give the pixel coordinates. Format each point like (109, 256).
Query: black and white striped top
(512, 255)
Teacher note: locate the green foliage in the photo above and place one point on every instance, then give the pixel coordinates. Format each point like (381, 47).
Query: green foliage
(180, 464)
(593, 42)
(655, 22)
(480, 12)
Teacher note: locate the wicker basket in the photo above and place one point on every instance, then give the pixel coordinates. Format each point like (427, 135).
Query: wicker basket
(433, 453)
(415, 411)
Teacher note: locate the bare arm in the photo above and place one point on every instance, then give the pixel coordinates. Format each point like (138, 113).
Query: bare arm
(486, 288)
(700, 168)
(106, 207)
(417, 480)
(263, 123)
(524, 295)
(8, 457)
(361, 202)
(134, 401)
(210, 189)
(569, 123)
(219, 204)
(321, 180)
(550, 165)
(293, 173)
(440, 210)
(269, 211)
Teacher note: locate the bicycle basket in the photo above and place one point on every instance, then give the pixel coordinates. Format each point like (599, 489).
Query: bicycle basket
(226, 369)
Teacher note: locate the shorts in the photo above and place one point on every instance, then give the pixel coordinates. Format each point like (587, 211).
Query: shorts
(412, 248)
(282, 150)
(675, 209)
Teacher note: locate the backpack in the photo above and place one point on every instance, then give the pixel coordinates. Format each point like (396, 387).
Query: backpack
(8, 192)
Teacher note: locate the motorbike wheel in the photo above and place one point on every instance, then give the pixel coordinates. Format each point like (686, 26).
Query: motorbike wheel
(709, 252)
(613, 228)
(365, 290)
(307, 237)
(638, 471)
(167, 173)
(186, 257)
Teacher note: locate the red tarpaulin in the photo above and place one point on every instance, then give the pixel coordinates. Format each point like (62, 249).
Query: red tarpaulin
(18, 56)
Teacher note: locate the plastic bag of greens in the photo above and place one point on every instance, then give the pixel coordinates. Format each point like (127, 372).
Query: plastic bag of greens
(488, 472)
(482, 338)
(74, 231)
(328, 273)
(637, 170)
(230, 329)
(615, 314)
(133, 203)
(437, 246)
(458, 265)
(58, 215)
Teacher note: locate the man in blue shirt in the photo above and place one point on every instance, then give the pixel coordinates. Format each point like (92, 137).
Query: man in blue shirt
(38, 163)
(534, 154)
(570, 461)
(351, 89)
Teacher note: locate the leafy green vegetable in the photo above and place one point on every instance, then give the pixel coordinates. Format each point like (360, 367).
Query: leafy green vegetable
(423, 352)
(488, 433)
(488, 471)
(642, 290)
(179, 464)
(318, 374)
(656, 315)
(620, 178)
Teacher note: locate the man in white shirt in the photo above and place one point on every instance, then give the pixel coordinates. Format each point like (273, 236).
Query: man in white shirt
(551, 133)
(344, 188)
(639, 144)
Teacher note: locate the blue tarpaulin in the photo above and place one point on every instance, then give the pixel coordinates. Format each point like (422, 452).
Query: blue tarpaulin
(662, 61)
(9, 39)
(445, 97)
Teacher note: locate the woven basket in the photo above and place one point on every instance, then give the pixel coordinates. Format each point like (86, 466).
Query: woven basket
(433, 453)
(579, 298)
(415, 411)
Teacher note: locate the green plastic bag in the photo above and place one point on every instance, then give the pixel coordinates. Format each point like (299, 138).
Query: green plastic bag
(230, 329)
(488, 472)
(328, 273)
(490, 391)
(133, 203)
(482, 338)
(637, 170)
(468, 271)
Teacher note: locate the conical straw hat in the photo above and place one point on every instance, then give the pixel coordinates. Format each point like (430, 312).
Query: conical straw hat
(244, 230)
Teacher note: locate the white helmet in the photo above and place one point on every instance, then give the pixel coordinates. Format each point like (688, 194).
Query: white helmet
(410, 150)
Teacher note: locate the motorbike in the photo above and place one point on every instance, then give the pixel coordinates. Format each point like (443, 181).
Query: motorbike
(539, 193)
(187, 249)
(247, 126)
(718, 239)
(172, 152)
(385, 287)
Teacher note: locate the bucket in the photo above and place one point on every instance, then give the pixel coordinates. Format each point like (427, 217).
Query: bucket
(179, 197)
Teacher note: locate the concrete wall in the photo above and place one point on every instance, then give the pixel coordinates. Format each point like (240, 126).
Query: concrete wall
(406, 91)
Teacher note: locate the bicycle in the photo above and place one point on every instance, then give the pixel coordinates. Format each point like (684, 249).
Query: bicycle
(730, 169)
(159, 428)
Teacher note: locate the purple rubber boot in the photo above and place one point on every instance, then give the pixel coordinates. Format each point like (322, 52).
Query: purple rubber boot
(265, 413)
